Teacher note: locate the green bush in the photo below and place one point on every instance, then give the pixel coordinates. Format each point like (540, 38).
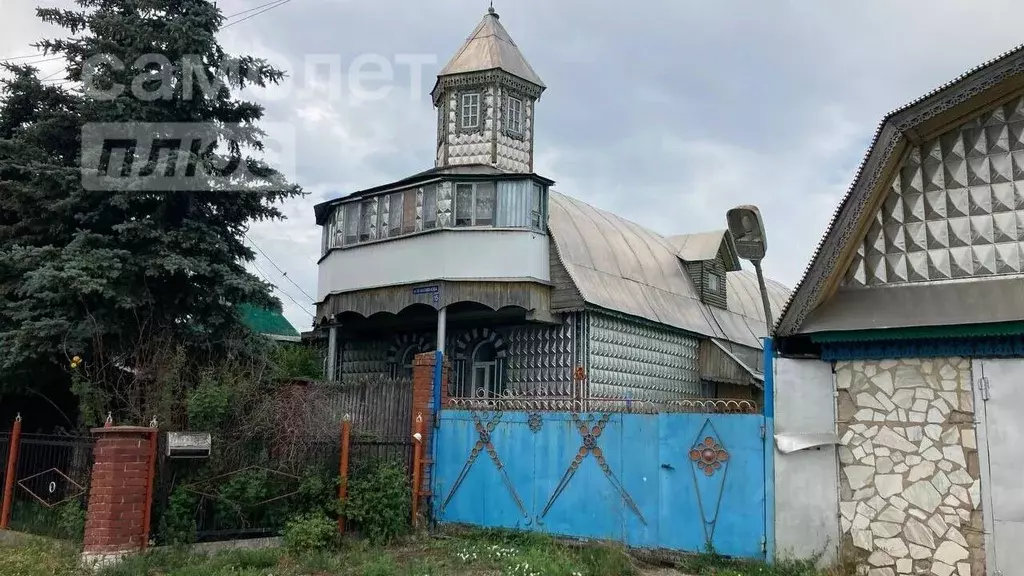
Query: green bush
(178, 523)
(71, 520)
(379, 502)
(311, 532)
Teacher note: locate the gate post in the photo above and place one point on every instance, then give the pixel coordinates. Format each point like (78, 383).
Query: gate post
(120, 493)
(429, 394)
(346, 435)
(12, 470)
(769, 449)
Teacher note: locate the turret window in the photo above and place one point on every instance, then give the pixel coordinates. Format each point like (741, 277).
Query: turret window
(488, 203)
(514, 115)
(471, 110)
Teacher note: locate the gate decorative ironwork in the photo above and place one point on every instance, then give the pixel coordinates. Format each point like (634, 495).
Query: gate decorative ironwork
(638, 489)
(589, 447)
(50, 483)
(483, 443)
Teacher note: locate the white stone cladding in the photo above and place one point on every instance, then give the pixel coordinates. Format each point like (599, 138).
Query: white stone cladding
(909, 497)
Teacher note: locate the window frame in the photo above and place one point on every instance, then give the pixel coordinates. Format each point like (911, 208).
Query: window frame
(515, 128)
(475, 193)
(474, 109)
(714, 277)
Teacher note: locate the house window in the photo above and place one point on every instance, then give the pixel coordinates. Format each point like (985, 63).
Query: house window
(537, 210)
(485, 373)
(395, 214)
(366, 216)
(351, 223)
(403, 367)
(470, 110)
(474, 204)
(514, 115)
(714, 283)
(429, 207)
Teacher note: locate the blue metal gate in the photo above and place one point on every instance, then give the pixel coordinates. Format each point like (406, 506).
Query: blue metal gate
(671, 480)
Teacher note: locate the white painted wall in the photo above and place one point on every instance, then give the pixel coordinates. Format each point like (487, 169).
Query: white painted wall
(443, 254)
(806, 481)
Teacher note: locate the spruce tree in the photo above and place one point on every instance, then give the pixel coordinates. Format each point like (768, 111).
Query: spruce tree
(97, 272)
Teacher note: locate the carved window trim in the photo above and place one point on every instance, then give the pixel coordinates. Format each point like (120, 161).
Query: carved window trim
(463, 126)
(510, 97)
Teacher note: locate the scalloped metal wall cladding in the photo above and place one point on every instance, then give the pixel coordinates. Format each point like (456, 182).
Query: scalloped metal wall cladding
(641, 361)
(955, 209)
(541, 359)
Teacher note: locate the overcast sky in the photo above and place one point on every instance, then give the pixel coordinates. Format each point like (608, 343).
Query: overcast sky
(665, 112)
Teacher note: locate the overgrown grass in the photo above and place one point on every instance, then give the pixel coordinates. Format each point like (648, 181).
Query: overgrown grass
(477, 553)
(711, 564)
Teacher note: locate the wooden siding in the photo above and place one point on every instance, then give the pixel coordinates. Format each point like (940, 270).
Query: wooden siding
(532, 296)
(565, 296)
(717, 366)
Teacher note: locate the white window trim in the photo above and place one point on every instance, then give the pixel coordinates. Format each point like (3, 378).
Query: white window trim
(471, 103)
(517, 126)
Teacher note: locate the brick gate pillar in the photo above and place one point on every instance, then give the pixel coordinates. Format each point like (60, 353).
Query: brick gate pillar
(120, 493)
(422, 403)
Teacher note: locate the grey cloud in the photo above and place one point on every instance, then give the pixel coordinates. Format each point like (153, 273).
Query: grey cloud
(665, 112)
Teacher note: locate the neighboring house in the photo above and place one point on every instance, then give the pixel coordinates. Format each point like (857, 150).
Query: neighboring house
(269, 323)
(523, 288)
(912, 314)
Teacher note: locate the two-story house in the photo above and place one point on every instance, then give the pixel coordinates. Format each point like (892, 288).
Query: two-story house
(527, 291)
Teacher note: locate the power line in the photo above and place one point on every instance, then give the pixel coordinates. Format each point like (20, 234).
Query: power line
(230, 16)
(275, 5)
(266, 278)
(52, 75)
(21, 57)
(283, 273)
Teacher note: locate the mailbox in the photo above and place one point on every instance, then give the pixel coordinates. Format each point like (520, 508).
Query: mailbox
(189, 444)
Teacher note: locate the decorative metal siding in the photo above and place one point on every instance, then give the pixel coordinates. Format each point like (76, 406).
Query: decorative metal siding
(954, 210)
(515, 154)
(541, 359)
(360, 359)
(641, 361)
(444, 204)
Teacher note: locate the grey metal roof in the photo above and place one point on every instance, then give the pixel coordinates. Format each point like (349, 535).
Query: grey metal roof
(704, 246)
(619, 265)
(889, 131)
(490, 47)
(949, 303)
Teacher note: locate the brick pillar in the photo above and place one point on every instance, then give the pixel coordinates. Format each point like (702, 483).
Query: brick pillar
(120, 493)
(422, 399)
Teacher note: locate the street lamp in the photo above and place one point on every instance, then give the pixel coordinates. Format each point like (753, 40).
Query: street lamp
(747, 229)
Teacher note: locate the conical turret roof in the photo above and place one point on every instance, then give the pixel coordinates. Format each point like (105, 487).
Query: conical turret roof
(490, 47)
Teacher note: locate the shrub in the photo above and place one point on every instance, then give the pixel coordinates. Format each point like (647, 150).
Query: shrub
(309, 533)
(178, 523)
(379, 502)
(71, 520)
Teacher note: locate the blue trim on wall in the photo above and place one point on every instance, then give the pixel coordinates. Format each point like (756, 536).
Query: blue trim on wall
(769, 450)
(980, 347)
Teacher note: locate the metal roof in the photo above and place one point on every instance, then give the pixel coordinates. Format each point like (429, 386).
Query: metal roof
(622, 266)
(889, 131)
(705, 246)
(490, 47)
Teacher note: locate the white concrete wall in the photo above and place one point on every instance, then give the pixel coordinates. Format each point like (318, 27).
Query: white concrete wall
(443, 254)
(806, 481)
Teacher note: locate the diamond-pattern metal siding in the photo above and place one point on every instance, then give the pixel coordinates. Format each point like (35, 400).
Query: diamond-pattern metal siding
(954, 210)
(540, 360)
(643, 362)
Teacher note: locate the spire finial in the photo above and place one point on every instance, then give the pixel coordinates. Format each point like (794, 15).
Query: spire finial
(490, 10)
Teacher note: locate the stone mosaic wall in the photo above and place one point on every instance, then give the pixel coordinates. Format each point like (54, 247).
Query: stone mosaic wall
(910, 490)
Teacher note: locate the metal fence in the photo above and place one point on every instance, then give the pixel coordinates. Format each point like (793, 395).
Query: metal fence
(51, 484)
(243, 490)
(251, 489)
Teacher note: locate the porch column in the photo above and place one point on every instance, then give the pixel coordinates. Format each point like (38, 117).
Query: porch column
(442, 321)
(332, 353)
